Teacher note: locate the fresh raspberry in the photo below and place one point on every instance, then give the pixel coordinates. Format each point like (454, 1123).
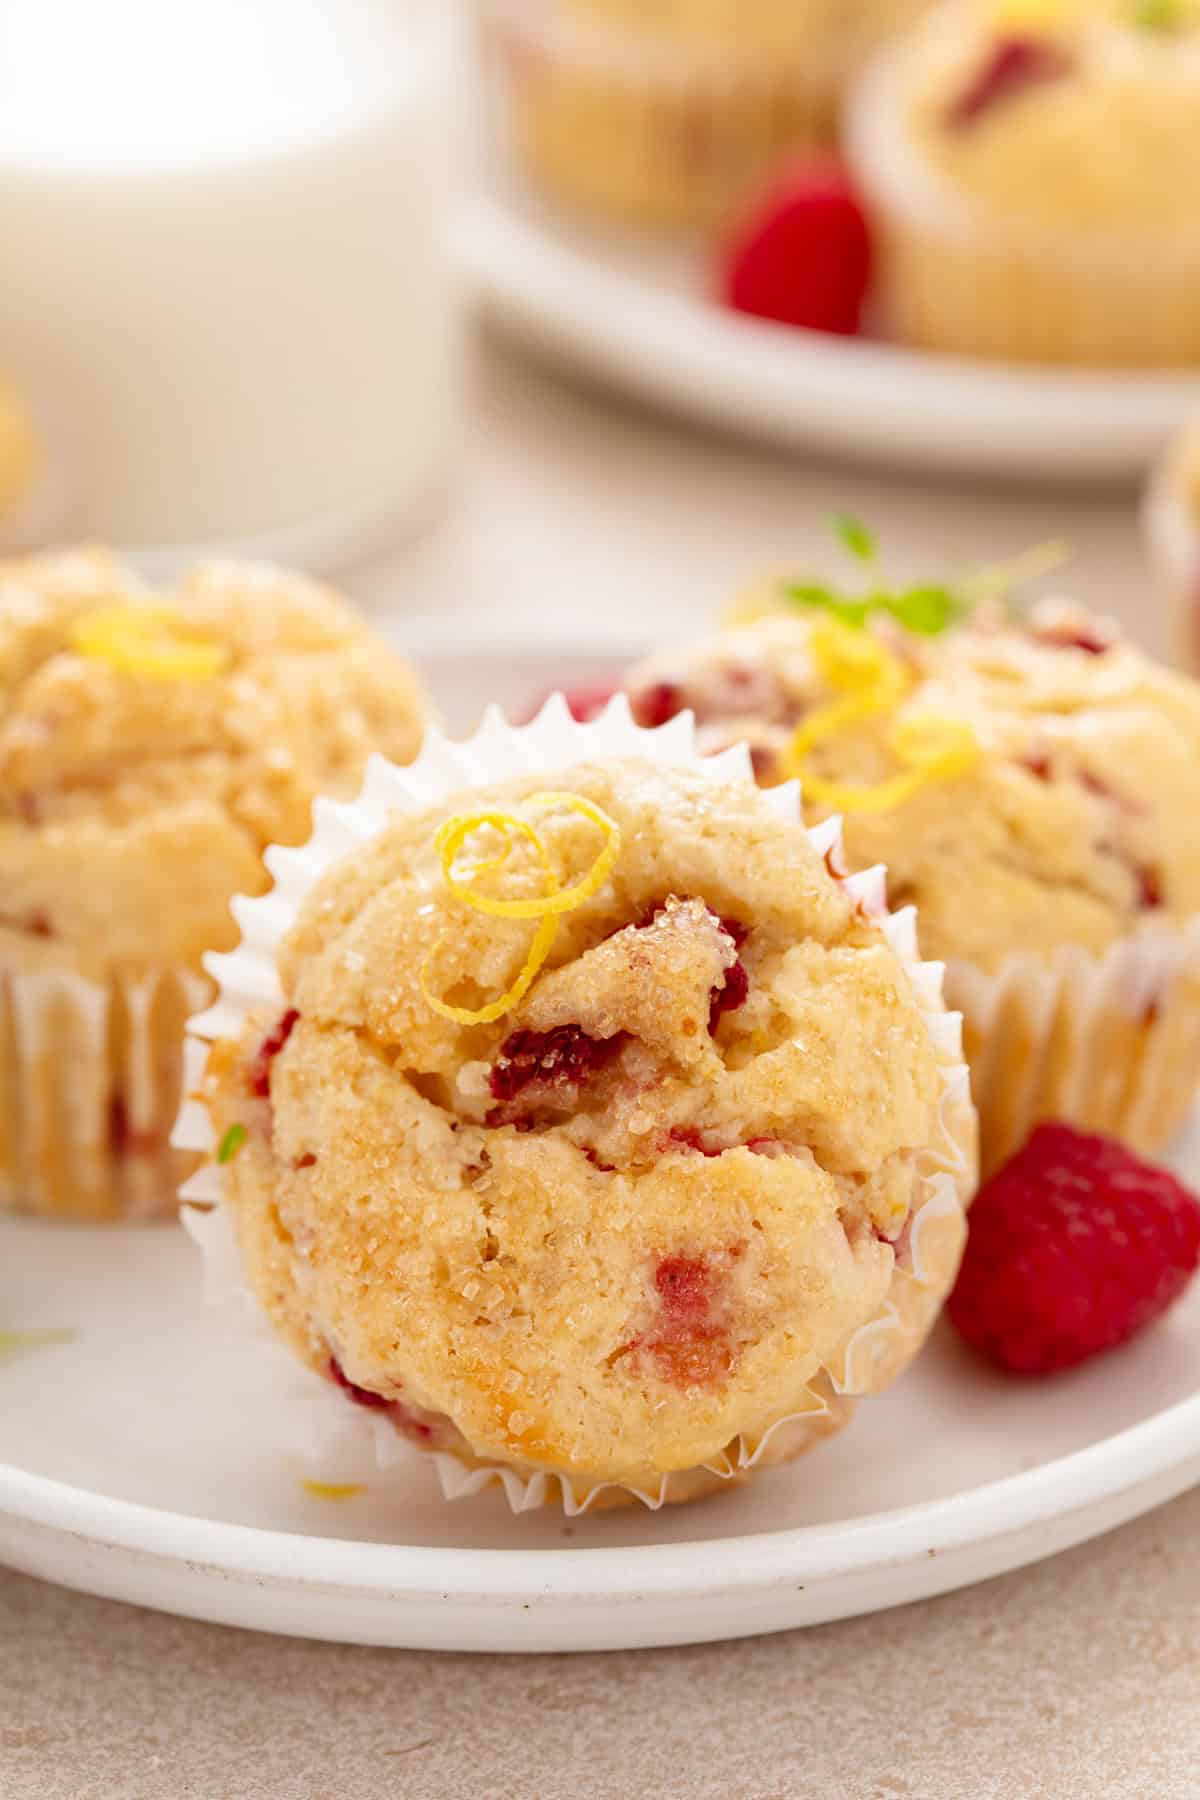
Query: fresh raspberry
(802, 253)
(584, 703)
(1075, 1246)
(657, 704)
(1014, 64)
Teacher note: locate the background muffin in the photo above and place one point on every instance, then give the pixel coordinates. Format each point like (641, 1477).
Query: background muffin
(150, 746)
(1172, 518)
(624, 1225)
(1022, 168)
(664, 114)
(1031, 792)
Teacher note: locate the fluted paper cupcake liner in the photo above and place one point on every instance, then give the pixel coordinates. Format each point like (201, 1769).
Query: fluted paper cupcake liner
(645, 131)
(1110, 1043)
(928, 1256)
(1171, 516)
(956, 278)
(90, 1084)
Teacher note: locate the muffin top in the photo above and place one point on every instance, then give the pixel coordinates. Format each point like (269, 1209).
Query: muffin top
(1063, 111)
(1027, 787)
(152, 744)
(593, 1190)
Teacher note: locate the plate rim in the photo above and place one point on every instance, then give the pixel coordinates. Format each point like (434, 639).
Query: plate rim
(539, 285)
(1079, 1482)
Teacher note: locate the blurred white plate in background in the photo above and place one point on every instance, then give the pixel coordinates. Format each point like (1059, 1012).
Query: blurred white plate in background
(635, 316)
(142, 1459)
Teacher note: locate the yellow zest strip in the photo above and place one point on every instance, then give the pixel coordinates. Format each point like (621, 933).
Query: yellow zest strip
(548, 909)
(854, 664)
(12, 1343)
(874, 683)
(995, 581)
(148, 640)
(453, 833)
(333, 1490)
(929, 748)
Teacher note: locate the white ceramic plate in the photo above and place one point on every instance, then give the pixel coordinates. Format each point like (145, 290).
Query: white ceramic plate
(636, 317)
(142, 1459)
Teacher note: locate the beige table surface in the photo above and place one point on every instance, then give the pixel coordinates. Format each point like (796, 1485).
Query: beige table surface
(1076, 1679)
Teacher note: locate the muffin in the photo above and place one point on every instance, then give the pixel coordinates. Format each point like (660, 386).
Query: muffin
(1023, 167)
(1172, 519)
(596, 1134)
(1031, 789)
(662, 113)
(150, 746)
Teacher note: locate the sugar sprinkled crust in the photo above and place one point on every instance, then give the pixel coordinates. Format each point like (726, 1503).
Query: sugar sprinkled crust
(634, 1218)
(1075, 825)
(132, 807)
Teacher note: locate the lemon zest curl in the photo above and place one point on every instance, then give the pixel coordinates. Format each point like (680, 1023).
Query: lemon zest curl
(149, 640)
(873, 683)
(548, 909)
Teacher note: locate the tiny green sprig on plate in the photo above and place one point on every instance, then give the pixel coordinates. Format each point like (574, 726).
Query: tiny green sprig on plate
(15, 1343)
(925, 608)
(231, 1143)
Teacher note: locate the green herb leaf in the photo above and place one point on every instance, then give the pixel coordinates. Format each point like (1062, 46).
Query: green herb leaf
(854, 537)
(928, 611)
(808, 593)
(12, 1343)
(231, 1143)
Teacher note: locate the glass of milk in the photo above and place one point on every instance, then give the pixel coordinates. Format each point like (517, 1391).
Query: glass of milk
(226, 277)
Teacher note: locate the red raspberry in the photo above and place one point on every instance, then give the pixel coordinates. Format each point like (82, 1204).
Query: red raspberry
(657, 704)
(584, 702)
(1075, 1246)
(802, 253)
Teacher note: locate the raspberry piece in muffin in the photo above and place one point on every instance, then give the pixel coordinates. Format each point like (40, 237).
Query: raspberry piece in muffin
(552, 1214)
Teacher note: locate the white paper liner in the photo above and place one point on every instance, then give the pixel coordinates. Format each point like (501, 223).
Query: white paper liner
(1171, 520)
(928, 1257)
(1109, 1043)
(963, 279)
(656, 129)
(90, 1083)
